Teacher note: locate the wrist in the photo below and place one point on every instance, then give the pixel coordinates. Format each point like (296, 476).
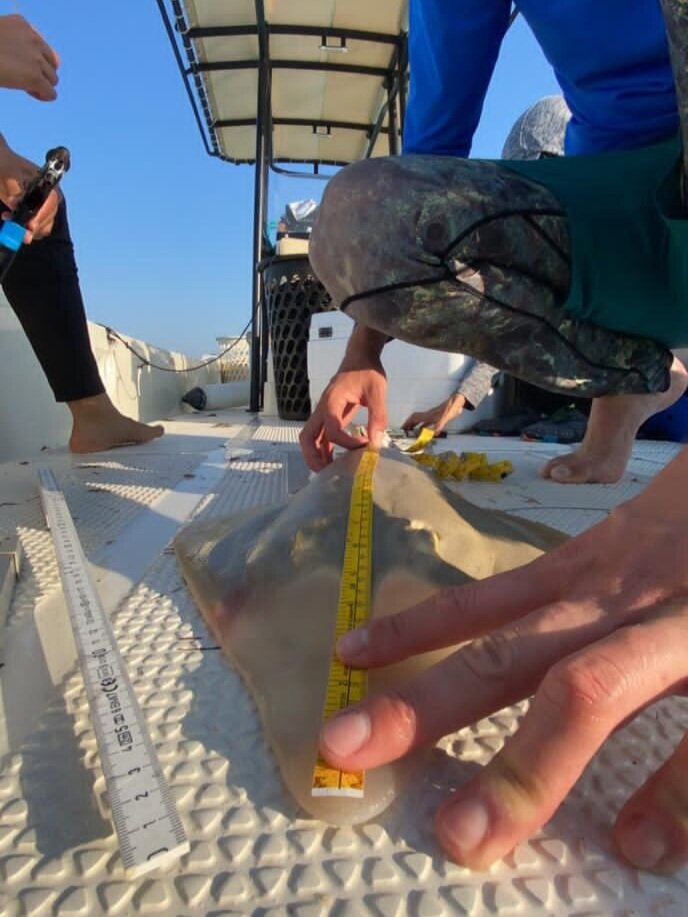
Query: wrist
(364, 348)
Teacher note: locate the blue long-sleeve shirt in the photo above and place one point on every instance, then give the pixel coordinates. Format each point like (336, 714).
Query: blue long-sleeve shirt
(610, 58)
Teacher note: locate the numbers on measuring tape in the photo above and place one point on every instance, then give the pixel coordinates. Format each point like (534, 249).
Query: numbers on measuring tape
(346, 686)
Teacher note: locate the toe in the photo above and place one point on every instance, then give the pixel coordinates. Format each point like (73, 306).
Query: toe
(567, 470)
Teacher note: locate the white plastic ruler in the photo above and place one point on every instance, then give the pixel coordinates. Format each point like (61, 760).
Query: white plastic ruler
(148, 826)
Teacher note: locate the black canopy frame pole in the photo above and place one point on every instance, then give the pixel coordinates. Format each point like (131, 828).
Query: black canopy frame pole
(259, 316)
(393, 78)
(402, 79)
(393, 137)
(208, 135)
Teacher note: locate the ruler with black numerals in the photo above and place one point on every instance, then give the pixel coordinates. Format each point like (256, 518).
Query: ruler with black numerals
(148, 827)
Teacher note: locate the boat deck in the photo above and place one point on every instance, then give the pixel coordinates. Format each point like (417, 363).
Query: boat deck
(252, 852)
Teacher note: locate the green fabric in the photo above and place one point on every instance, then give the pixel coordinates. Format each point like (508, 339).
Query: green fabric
(629, 245)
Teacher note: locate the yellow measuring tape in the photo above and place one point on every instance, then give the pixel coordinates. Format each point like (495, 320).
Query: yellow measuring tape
(473, 465)
(346, 686)
(425, 437)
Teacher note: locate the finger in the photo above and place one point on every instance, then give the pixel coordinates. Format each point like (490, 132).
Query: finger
(42, 85)
(12, 193)
(49, 74)
(44, 48)
(336, 435)
(377, 417)
(325, 448)
(651, 831)
(581, 700)
(38, 229)
(349, 413)
(456, 614)
(413, 421)
(309, 439)
(42, 224)
(479, 678)
(43, 96)
(51, 58)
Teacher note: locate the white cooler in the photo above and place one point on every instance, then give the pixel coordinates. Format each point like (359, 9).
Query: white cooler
(417, 378)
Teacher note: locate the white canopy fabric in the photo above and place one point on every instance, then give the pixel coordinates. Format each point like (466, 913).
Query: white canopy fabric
(330, 64)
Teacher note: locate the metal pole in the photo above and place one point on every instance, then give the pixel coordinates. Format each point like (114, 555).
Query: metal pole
(264, 317)
(403, 68)
(393, 135)
(210, 145)
(257, 324)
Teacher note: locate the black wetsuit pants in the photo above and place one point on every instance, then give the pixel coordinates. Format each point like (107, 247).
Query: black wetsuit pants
(42, 286)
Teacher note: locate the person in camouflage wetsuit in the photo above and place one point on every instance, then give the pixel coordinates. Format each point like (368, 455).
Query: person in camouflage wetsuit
(594, 631)
(475, 259)
(537, 134)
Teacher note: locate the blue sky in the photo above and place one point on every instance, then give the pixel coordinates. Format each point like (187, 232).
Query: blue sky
(162, 231)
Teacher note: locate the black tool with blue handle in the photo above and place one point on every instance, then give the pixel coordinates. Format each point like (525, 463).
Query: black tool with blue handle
(35, 195)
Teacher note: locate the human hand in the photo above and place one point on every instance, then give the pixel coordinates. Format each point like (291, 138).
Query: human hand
(349, 390)
(437, 417)
(15, 173)
(359, 382)
(597, 629)
(26, 61)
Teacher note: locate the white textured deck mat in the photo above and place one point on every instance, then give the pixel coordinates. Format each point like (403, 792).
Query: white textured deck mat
(251, 852)
(124, 482)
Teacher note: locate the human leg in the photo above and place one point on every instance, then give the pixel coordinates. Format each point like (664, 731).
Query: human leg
(612, 428)
(475, 259)
(466, 256)
(676, 20)
(42, 287)
(615, 420)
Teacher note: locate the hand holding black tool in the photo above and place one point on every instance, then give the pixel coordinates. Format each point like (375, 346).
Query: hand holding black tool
(57, 162)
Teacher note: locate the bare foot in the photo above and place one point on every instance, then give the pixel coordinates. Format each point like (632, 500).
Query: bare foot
(612, 428)
(98, 425)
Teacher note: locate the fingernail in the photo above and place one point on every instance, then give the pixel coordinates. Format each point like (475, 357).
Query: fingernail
(643, 843)
(347, 733)
(465, 824)
(353, 643)
(560, 473)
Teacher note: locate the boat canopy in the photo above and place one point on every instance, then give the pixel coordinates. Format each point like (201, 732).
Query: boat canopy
(324, 80)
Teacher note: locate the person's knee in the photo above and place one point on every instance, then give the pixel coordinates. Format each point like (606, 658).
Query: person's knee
(351, 224)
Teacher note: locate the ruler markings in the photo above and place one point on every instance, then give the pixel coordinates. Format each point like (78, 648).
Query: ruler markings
(346, 686)
(149, 829)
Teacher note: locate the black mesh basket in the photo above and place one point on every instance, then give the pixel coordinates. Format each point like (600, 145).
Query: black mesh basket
(292, 294)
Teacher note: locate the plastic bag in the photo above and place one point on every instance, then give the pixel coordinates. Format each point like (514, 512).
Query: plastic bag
(267, 583)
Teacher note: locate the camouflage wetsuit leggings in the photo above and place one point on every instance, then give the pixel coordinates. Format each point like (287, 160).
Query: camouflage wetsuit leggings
(468, 256)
